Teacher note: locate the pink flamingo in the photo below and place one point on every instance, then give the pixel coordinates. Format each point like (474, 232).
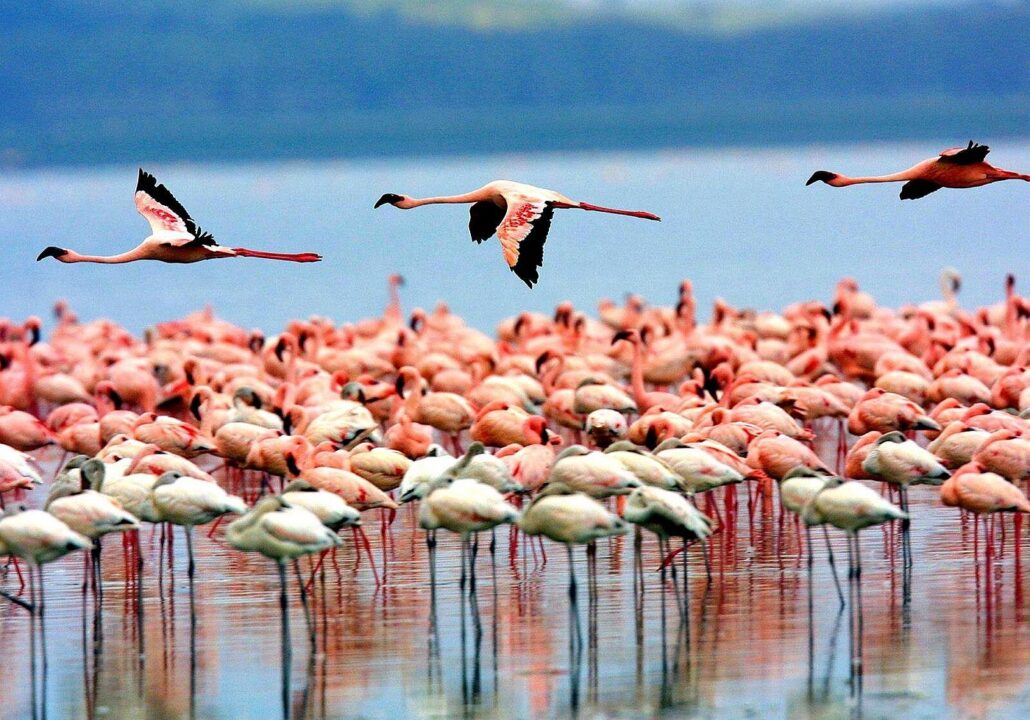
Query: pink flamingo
(953, 168)
(520, 215)
(175, 238)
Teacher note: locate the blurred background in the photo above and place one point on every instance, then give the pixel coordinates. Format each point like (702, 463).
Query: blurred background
(279, 123)
(103, 81)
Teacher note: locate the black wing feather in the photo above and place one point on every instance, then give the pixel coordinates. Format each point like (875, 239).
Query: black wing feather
(971, 155)
(915, 189)
(484, 217)
(531, 249)
(149, 184)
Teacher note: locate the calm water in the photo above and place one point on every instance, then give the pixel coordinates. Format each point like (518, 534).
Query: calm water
(960, 648)
(741, 223)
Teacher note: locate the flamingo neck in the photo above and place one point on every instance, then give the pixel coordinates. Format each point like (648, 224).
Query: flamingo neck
(637, 375)
(844, 180)
(446, 200)
(73, 257)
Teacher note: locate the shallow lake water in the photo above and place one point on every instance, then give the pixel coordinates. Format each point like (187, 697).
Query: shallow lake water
(959, 647)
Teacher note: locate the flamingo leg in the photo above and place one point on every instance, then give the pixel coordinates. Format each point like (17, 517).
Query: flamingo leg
(304, 602)
(833, 565)
(368, 552)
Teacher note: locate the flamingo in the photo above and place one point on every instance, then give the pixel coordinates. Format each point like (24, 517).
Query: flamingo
(37, 537)
(175, 236)
(571, 518)
(960, 167)
(669, 514)
(851, 506)
(282, 532)
(186, 501)
(90, 513)
(606, 427)
(464, 506)
(520, 215)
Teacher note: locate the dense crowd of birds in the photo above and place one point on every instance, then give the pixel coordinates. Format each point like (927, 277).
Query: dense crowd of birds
(302, 433)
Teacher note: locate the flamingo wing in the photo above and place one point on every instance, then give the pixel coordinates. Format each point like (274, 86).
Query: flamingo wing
(522, 233)
(915, 189)
(484, 217)
(167, 217)
(969, 155)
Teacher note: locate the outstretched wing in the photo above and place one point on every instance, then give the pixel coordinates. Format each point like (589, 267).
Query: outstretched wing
(165, 214)
(522, 233)
(969, 155)
(915, 189)
(484, 217)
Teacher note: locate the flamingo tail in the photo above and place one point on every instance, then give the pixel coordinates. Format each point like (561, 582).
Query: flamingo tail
(291, 257)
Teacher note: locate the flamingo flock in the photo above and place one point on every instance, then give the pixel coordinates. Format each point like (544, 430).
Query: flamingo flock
(566, 426)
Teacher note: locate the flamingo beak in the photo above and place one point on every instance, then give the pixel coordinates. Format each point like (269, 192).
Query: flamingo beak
(388, 198)
(291, 464)
(821, 175)
(54, 252)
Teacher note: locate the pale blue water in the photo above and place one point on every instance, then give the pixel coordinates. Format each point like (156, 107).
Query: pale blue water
(740, 223)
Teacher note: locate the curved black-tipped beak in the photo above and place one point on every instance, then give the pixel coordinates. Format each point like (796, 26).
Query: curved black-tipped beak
(33, 335)
(291, 465)
(821, 175)
(51, 251)
(621, 335)
(544, 435)
(279, 348)
(398, 386)
(541, 359)
(387, 199)
(195, 406)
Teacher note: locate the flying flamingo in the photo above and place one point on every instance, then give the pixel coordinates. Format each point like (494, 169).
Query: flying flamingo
(953, 168)
(520, 215)
(175, 238)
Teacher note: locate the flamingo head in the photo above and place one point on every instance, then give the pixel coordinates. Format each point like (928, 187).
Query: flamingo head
(822, 176)
(535, 427)
(630, 335)
(51, 251)
(398, 201)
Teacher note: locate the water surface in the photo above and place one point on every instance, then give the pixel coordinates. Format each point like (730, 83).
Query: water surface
(959, 648)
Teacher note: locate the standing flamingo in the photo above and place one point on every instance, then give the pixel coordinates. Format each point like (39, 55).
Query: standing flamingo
(37, 537)
(953, 168)
(175, 237)
(520, 215)
(851, 506)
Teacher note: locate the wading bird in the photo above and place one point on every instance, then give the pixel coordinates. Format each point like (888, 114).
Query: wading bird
(520, 215)
(953, 168)
(175, 237)
(851, 506)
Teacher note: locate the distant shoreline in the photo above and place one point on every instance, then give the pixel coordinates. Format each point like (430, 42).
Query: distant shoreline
(455, 133)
